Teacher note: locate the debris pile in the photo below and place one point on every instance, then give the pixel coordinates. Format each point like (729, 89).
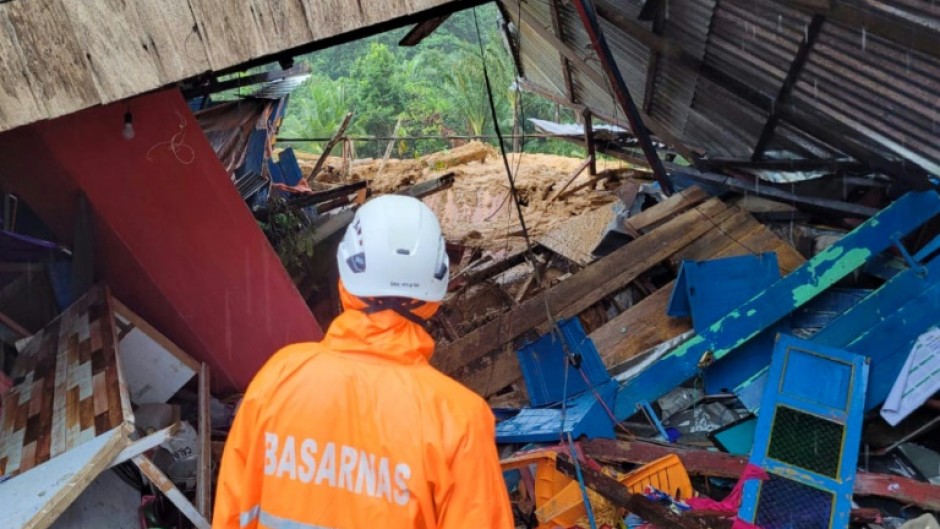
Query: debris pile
(695, 359)
(675, 362)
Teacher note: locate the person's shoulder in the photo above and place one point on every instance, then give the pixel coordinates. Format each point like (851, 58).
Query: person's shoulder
(455, 394)
(283, 361)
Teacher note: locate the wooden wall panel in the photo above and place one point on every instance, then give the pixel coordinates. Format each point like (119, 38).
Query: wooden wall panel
(174, 37)
(375, 12)
(332, 17)
(229, 31)
(120, 53)
(283, 24)
(60, 56)
(17, 103)
(61, 76)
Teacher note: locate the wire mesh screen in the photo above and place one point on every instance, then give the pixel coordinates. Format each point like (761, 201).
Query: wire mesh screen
(806, 441)
(786, 504)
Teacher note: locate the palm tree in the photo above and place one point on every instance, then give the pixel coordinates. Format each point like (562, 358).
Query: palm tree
(316, 110)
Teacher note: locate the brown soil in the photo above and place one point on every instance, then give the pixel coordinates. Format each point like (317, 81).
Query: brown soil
(477, 210)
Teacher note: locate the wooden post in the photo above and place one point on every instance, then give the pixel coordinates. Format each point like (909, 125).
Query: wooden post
(169, 490)
(204, 476)
(589, 142)
(329, 147)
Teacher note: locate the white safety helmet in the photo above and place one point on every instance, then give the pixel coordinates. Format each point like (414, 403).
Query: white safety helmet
(394, 248)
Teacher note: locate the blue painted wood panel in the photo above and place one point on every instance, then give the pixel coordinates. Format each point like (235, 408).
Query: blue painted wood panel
(780, 299)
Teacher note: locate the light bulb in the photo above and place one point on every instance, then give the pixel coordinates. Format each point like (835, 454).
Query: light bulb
(128, 132)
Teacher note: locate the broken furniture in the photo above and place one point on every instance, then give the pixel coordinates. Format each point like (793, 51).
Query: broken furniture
(69, 417)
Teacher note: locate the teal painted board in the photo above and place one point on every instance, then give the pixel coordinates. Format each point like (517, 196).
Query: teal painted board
(807, 438)
(885, 324)
(889, 343)
(736, 438)
(715, 287)
(780, 299)
(710, 289)
(805, 322)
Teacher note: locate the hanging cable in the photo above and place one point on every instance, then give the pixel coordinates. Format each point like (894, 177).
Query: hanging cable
(514, 190)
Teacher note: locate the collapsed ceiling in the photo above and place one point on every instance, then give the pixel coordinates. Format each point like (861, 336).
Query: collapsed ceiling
(733, 82)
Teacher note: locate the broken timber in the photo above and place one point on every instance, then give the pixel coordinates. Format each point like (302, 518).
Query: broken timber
(329, 147)
(732, 232)
(638, 504)
(789, 293)
(719, 464)
(574, 295)
(646, 324)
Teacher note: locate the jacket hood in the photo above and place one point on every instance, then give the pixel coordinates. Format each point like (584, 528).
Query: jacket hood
(384, 334)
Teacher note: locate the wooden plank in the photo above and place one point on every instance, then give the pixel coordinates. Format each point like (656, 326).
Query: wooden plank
(675, 204)
(579, 292)
(718, 464)
(229, 32)
(17, 329)
(282, 24)
(18, 104)
(34, 499)
(646, 324)
(719, 238)
(121, 310)
(109, 502)
(641, 254)
(145, 351)
(422, 30)
(119, 52)
(145, 444)
(172, 493)
(330, 17)
(491, 373)
(58, 72)
(576, 238)
(614, 491)
(179, 46)
(641, 327)
(574, 174)
(204, 474)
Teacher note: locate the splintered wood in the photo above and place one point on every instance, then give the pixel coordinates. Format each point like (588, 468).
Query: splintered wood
(685, 226)
(69, 387)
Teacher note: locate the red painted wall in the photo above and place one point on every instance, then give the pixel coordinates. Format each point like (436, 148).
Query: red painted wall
(173, 238)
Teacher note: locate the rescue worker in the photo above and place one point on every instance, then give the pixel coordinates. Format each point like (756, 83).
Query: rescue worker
(358, 430)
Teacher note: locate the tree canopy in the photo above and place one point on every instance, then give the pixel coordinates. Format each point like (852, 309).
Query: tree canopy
(434, 89)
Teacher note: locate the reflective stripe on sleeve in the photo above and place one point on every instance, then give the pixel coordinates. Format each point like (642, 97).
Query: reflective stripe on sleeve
(249, 516)
(276, 522)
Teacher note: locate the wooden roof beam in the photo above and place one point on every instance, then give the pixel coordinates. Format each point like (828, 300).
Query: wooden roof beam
(565, 67)
(422, 30)
(883, 24)
(828, 130)
(783, 95)
(582, 67)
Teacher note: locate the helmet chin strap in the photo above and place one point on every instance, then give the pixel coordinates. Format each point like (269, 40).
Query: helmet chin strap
(403, 306)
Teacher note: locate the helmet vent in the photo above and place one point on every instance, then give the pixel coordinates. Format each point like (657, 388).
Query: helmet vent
(403, 251)
(357, 262)
(441, 272)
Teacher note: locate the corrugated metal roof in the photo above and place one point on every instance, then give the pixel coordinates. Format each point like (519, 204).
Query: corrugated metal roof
(281, 87)
(867, 86)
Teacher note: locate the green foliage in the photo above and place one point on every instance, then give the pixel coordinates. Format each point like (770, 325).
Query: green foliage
(316, 110)
(434, 89)
(290, 234)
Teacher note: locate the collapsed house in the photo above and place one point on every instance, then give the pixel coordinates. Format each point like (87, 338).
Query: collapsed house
(735, 302)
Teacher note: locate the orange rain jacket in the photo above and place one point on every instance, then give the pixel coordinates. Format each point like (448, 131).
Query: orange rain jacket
(359, 431)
